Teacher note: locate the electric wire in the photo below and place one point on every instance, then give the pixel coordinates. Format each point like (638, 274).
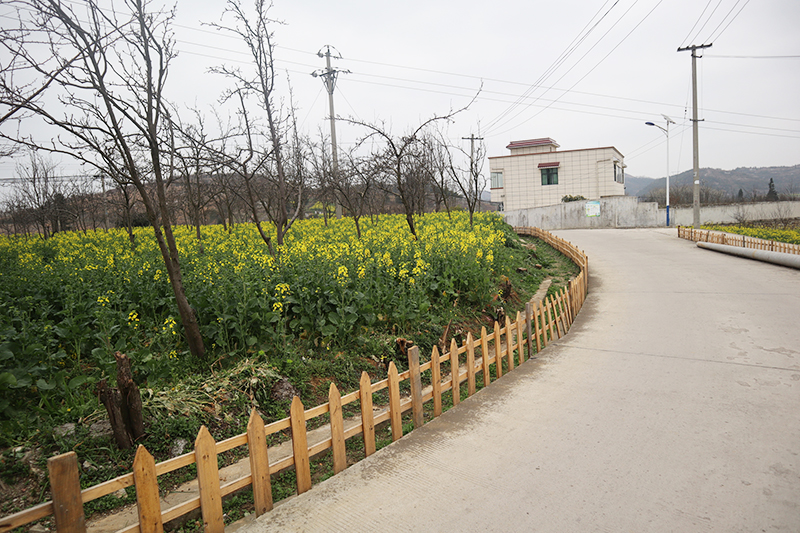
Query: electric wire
(653, 144)
(683, 42)
(353, 109)
(311, 108)
(502, 93)
(642, 114)
(682, 131)
(706, 22)
(592, 69)
(219, 58)
(497, 124)
(557, 63)
(717, 36)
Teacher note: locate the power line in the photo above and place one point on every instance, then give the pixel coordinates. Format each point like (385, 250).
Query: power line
(753, 132)
(491, 79)
(596, 65)
(558, 62)
(642, 113)
(697, 22)
(491, 125)
(707, 20)
(344, 97)
(749, 126)
(715, 37)
(436, 71)
(656, 142)
(614, 97)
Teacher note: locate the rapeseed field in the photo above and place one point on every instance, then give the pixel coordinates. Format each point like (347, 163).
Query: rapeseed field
(69, 302)
(779, 235)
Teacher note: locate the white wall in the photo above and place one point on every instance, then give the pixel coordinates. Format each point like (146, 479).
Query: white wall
(615, 212)
(628, 212)
(588, 173)
(728, 214)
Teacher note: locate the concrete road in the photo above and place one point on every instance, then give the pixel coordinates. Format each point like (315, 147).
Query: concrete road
(672, 405)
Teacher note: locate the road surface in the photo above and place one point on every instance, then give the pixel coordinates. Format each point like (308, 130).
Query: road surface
(672, 405)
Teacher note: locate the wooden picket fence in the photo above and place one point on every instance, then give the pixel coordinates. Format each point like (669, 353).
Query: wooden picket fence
(718, 237)
(500, 351)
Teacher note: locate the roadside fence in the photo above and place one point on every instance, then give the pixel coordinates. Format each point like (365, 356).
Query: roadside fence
(496, 352)
(718, 237)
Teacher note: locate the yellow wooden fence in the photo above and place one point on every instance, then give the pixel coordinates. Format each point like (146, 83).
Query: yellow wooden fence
(718, 237)
(507, 343)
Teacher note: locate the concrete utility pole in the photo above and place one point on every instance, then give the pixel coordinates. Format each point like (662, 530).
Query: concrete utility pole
(695, 141)
(329, 79)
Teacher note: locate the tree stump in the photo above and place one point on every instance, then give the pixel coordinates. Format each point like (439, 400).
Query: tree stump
(131, 398)
(112, 399)
(123, 404)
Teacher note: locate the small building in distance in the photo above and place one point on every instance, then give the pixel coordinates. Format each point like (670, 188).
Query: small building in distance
(536, 174)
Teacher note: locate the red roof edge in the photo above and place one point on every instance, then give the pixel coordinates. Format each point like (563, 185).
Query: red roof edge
(548, 165)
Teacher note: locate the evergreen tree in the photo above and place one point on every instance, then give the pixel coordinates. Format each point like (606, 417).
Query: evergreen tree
(772, 194)
(740, 196)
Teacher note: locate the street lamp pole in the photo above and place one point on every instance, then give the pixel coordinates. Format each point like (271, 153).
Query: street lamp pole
(666, 132)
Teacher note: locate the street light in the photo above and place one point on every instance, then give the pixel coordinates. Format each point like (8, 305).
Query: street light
(666, 132)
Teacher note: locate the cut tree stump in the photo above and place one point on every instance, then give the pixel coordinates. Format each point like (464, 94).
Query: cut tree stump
(131, 398)
(123, 404)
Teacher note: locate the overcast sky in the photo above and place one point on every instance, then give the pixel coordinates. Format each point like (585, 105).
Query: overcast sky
(413, 59)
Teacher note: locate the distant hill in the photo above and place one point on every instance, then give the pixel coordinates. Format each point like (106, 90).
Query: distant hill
(749, 179)
(634, 185)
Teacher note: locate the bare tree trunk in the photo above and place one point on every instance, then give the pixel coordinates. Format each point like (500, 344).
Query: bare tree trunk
(131, 399)
(123, 405)
(112, 400)
(169, 252)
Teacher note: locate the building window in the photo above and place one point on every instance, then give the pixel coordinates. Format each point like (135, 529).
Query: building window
(497, 180)
(550, 176)
(619, 172)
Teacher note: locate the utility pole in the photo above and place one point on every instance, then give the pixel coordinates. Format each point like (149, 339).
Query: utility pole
(695, 140)
(472, 178)
(329, 79)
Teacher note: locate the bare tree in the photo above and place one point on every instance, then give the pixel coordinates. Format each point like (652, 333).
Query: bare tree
(790, 191)
(192, 164)
(403, 161)
(39, 191)
(782, 214)
(249, 166)
(470, 180)
(440, 177)
(123, 201)
(84, 204)
(322, 175)
(108, 68)
(354, 184)
(741, 214)
(226, 197)
(270, 161)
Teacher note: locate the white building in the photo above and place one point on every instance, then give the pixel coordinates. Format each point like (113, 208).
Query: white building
(536, 173)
